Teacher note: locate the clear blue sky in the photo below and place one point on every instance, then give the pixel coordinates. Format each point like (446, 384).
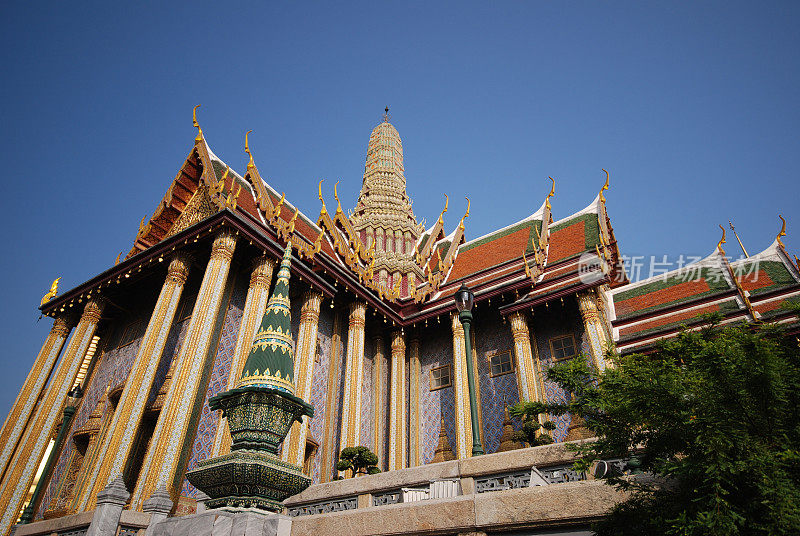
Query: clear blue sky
(692, 106)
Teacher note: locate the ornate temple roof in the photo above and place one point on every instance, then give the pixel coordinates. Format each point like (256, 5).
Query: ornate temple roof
(755, 288)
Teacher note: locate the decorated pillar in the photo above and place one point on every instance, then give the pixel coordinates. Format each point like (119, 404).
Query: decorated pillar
(354, 373)
(413, 403)
(118, 444)
(397, 403)
(528, 374)
(21, 411)
(23, 465)
(169, 448)
(379, 429)
(254, 306)
(595, 328)
(461, 391)
(294, 450)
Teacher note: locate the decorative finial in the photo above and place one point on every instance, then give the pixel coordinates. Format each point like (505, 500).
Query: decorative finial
(53, 292)
(250, 164)
(199, 137)
(551, 194)
(721, 241)
(782, 232)
(605, 187)
(324, 210)
(336, 196)
(730, 223)
(446, 203)
(386, 115)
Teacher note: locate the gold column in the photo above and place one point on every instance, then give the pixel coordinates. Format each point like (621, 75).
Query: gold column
(461, 391)
(21, 411)
(305, 353)
(528, 374)
(25, 462)
(595, 328)
(397, 403)
(354, 372)
(379, 428)
(414, 408)
(115, 449)
(254, 306)
(168, 452)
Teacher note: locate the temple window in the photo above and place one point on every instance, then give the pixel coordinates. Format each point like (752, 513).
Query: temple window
(562, 347)
(501, 364)
(440, 377)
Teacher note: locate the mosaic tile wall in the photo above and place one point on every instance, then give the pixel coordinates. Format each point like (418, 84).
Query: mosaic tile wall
(319, 382)
(556, 321)
(112, 368)
(338, 360)
(209, 420)
(383, 450)
(366, 434)
(493, 337)
(436, 349)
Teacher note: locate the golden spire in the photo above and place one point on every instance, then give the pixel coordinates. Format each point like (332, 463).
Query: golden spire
(738, 239)
(52, 294)
(251, 164)
(721, 241)
(199, 137)
(336, 196)
(446, 203)
(466, 214)
(386, 115)
(324, 210)
(552, 192)
(782, 232)
(605, 187)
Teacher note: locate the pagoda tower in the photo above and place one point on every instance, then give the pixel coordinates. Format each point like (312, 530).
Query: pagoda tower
(383, 214)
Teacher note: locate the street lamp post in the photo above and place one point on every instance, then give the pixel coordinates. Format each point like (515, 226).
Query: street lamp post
(464, 300)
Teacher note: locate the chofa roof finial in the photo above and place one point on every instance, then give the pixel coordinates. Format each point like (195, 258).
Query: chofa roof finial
(250, 164)
(605, 186)
(782, 232)
(552, 192)
(199, 137)
(721, 241)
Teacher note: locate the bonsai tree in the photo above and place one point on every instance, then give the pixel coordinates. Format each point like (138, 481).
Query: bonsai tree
(532, 432)
(358, 460)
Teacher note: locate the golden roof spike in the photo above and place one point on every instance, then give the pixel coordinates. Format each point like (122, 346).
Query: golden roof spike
(277, 210)
(466, 214)
(782, 232)
(336, 196)
(199, 137)
(738, 239)
(52, 293)
(552, 192)
(250, 164)
(446, 204)
(116, 261)
(324, 210)
(605, 186)
(721, 241)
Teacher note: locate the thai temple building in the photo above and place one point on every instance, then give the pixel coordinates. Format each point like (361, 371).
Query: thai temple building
(122, 384)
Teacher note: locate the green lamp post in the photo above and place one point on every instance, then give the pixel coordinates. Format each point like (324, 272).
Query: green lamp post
(464, 300)
(69, 411)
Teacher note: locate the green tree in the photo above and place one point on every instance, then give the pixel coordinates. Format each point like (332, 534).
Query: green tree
(712, 418)
(358, 460)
